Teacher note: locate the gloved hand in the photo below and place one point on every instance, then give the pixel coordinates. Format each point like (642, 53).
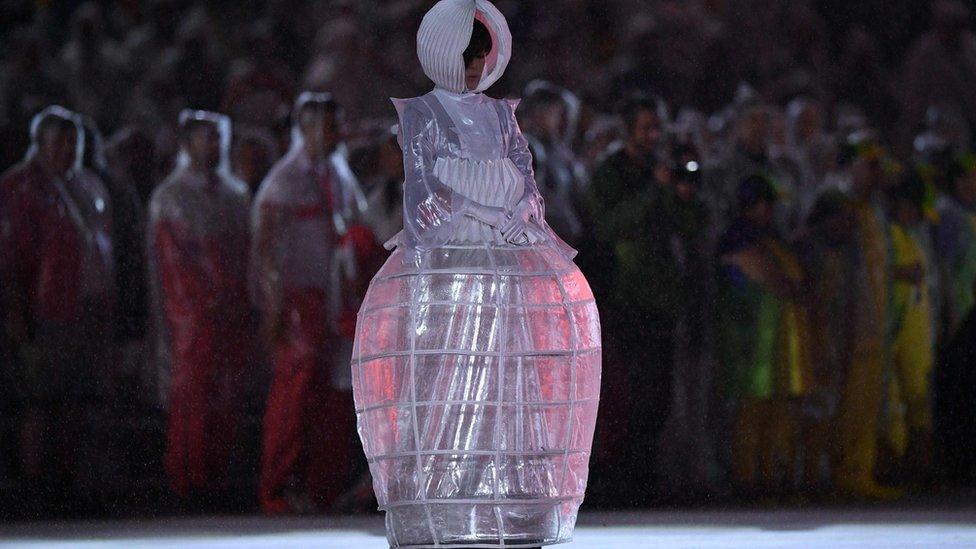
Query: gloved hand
(515, 229)
(489, 215)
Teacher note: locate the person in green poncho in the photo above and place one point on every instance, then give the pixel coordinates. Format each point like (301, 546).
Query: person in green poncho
(634, 214)
(764, 340)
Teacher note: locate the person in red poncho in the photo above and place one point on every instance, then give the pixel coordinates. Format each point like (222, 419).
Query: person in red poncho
(56, 298)
(311, 259)
(198, 246)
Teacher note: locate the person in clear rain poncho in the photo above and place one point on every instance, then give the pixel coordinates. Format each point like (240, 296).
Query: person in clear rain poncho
(197, 248)
(56, 294)
(553, 112)
(308, 247)
(385, 195)
(476, 363)
(128, 231)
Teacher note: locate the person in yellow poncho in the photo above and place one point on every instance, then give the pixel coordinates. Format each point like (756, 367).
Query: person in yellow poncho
(862, 393)
(908, 418)
(763, 339)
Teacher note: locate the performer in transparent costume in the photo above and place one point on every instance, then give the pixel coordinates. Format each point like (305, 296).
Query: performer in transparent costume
(476, 364)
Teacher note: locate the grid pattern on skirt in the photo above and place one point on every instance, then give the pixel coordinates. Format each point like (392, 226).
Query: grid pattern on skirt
(476, 377)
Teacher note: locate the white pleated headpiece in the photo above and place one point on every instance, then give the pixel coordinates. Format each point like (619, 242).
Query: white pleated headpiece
(445, 33)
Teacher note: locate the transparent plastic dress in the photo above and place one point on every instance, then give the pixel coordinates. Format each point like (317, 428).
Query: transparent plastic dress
(476, 363)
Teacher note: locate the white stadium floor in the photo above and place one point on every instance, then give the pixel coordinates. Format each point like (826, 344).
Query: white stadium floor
(752, 529)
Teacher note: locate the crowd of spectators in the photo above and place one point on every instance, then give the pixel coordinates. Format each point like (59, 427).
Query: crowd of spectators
(774, 201)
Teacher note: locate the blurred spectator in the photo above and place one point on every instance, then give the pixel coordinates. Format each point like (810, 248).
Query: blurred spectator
(941, 65)
(908, 414)
(93, 66)
(956, 244)
(764, 340)
(384, 212)
(634, 215)
(57, 299)
(600, 138)
(749, 156)
(858, 419)
(811, 149)
(252, 155)
(687, 468)
(128, 238)
(304, 222)
(862, 78)
(131, 154)
(198, 244)
(829, 253)
(196, 64)
(550, 113)
(29, 83)
(260, 85)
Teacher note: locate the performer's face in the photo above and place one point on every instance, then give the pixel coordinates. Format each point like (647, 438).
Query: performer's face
(472, 73)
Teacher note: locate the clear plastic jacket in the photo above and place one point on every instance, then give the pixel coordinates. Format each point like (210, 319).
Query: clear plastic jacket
(308, 246)
(55, 233)
(298, 217)
(56, 268)
(95, 208)
(197, 247)
(562, 185)
(441, 127)
(305, 222)
(559, 174)
(127, 237)
(476, 361)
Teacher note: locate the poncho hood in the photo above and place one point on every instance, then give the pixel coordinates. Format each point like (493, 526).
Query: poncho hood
(444, 35)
